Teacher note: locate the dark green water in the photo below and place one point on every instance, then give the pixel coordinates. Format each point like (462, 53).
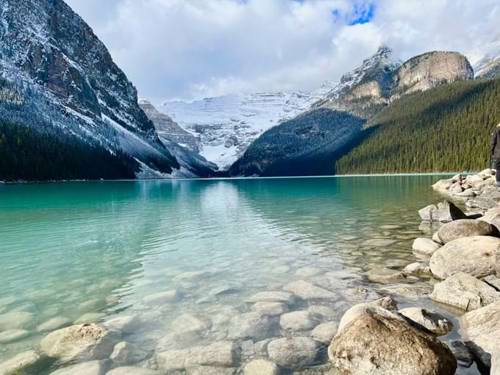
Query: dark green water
(100, 248)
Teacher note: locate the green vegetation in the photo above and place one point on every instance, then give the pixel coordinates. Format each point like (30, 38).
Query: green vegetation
(31, 154)
(447, 128)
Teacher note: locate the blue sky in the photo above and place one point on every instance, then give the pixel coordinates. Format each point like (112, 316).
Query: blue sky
(191, 48)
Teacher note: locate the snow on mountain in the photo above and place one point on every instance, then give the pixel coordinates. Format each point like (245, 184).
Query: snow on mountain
(487, 61)
(227, 125)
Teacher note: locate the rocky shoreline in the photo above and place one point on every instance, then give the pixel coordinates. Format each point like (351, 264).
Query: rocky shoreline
(295, 328)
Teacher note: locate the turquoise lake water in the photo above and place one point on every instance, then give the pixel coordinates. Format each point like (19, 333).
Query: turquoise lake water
(91, 251)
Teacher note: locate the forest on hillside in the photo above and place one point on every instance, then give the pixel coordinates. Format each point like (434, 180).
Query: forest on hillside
(447, 128)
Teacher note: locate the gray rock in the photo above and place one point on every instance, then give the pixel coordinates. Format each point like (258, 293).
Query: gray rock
(380, 342)
(270, 308)
(125, 353)
(431, 321)
(384, 275)
(417, 269)
(386, 303)
(80, 342)
(492, 216)
(272, 296)
(16, 320)
(261, 367)
(53, 324)
(188, 323)
(127, 370)
(465, 292)
(210, 370)
(251, 325)
(294, 352)
(20, 364)
(322, 312)
(325, 332)
(413, 291)
(492, 281)
(308, 291)
(464, 228)
(425, 246)
(444, 212)
(85, 368)
(480, 330)
(461, 353)
(473, 255)
(173, 341)
(221, 354)
(298, 321)
(124, 324)
(12, 335)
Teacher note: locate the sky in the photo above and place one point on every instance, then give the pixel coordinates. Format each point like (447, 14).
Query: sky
(189, 49)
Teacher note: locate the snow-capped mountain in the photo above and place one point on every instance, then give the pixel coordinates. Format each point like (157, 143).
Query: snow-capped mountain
(59, 81)
(227, 125)
(488, 64)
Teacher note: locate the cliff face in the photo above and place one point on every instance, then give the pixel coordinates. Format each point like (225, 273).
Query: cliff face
(429, 70)
(68, 81)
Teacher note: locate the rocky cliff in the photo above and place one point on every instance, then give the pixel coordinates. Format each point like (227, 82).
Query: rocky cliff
(59, 78)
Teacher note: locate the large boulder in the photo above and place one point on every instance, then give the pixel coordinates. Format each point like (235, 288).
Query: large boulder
(465, 292)
(385, 303)
(444, 212)
(481, 331)
(294, 352)
(465, 228)
(473, 255)
(380, 342)
(79, 342)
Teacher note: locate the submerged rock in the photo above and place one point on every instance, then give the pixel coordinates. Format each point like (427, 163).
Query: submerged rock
(85, 368)
(272, 296)
(433, 322)
(20, 364)
(465, 292)
(261, 367)
(325, 332)
(79, 342)
(124, 324)
(425, 246)
(378, 341)
(298, 321)
(379, 242)
(308, 291)
(270, 308)
(187, 323)
(465, 228)
(294, 352)
(252, 325)
(162, 297)
(125, 353)
(127, 370)
(417, 269)
(473, 255)
(385, 275)
(12, 335)
(53, 324)
(16, 320)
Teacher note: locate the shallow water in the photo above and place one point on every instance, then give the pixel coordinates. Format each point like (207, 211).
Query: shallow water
(95, 250)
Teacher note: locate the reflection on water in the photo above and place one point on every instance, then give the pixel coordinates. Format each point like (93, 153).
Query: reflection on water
(91, 251)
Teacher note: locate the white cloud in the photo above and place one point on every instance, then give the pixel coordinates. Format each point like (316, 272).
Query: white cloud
(193, 48)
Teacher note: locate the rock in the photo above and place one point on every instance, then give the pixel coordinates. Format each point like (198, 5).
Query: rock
(191, 276)
(465, 292)
(127, 370)
(283, 297)
(124, 324)
(270, 308)
(125, 353)
(412, 291)
(425, 246)
(85, 368)
(385, 276)
(436, 239)
(444, 212)
(381, 342)
(480, 330)
(461, 353)
(79, 342)
(308, 291)
(222, 354)
(12, 335)
(89, 318)
(455, 189)
(187, 323)
(357, 310)
(163, 297)
(251, 325)
(16, 320)
(378, 242)
(431, 321)
(261, 367)
(492, 216)
(325, 332)
(464, 228)
(53, 324)
(473, 255)
(20, 364)
(492, 281)
(308, 272)
(416, 269)
(293, 352)
(297, 321)
(322, 312)
(210, 370)
(175, 340)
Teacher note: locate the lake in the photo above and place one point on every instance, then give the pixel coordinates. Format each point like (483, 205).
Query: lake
(160, 250)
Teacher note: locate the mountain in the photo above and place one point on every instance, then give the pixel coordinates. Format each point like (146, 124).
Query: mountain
(488, 66)
(181, 144)
(59, 84)
(225, 126)
(305, 145)
(361, 94)
(446, 128)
